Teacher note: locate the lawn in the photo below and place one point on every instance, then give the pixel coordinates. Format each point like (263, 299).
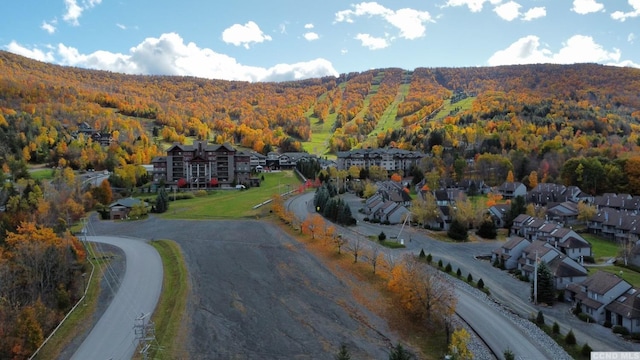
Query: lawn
(42, 174)
(226, 204)
(602, 249)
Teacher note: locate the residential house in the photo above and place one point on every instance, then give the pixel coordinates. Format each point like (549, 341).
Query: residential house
(120, 209)
(565, 213)
(623, 202)
(564, 269)
(372, 204)
(511, 190)
(614, 224)
(625, 310)
(570, 243)
(595, 293)
(547, 193)
(391, 212)
(390, 159)
(499, 213)
(509, 253)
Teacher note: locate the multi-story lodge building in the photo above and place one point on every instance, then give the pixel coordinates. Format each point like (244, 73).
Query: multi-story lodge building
(202, 165)
(388, 159)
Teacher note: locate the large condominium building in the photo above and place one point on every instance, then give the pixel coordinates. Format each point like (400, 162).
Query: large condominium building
(388, 159)
(202, 165)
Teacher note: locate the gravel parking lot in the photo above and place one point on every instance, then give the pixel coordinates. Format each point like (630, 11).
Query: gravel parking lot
(256, 293)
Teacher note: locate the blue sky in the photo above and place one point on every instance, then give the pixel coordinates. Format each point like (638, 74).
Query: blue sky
(258, 40)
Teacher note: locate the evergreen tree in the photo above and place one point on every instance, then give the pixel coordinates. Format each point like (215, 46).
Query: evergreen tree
(343, 353)
(422, 254)
(518, 207)
(546, 287)
(399, 353)
(382, 236)
(458, 231)
(162, 201)
(487, 230)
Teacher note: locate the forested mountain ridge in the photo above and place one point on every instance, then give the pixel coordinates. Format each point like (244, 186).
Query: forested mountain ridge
(572, 124)
(539, 116)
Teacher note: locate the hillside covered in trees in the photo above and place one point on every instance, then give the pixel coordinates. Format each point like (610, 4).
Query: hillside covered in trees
(571, 124)
(548, 119)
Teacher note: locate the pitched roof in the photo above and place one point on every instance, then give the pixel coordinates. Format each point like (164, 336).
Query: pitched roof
(601, 282)
(627, 304)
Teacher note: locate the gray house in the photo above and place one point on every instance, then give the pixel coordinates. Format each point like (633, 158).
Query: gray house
(510, 190)
(510, 252)
(625, 310)
(596, 292)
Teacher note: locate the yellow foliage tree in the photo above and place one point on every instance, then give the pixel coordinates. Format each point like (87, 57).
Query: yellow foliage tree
(423, 292)
(458, 348)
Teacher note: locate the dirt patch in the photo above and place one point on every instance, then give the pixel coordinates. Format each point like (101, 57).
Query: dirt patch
(258, 294)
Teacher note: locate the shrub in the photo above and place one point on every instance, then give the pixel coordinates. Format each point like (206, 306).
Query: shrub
(509, 355)
(365, 219)
(540, 318)
(440, 263)
(607, 324)
(487, 230)
(429, 258)
(585, 317)
(469, 278)
(382, 236)
(458, 273)
(200, 193)
(386, 222)
(555, 329)
(586, 350)
(447, 268)
(480, 284)
(458, 231)
(570, 339)
(620, 330)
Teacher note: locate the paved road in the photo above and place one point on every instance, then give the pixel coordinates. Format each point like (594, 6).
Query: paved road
(505, 288)
(113, 336)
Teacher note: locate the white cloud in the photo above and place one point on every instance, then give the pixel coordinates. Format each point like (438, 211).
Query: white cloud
(310, 36)
(508, 11)
(123, 27)
(373, 43)
(75, 10)
(308, 26)
(473, 5)
(48, 27)
(35, 54)
(578, 49)
(244, 34)
(583, 7)
(631, 37)
(410, 22)
(622, 16)
(534, 13)
(170, 55)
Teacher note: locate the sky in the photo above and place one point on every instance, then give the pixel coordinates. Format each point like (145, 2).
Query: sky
(281, 40)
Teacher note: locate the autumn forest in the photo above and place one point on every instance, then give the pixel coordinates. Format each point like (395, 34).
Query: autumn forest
(570, 124)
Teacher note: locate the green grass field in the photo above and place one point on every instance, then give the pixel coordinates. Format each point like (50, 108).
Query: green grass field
(447, 108)
(602, 249)
(225, 204)
(628, 275)
(42, 174)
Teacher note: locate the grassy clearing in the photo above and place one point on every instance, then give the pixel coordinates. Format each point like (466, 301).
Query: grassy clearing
(388, 120)
(170, 311)
(227, 204)
(602, 249)
(448, 108)
(42, 174)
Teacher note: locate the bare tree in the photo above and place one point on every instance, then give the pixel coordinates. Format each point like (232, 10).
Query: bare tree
(339, 241)
(374, 257)
(355, 247)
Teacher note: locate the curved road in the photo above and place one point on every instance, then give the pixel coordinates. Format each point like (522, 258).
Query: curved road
(498, 332)
(113, 336)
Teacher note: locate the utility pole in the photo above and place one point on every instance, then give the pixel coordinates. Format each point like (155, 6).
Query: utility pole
(145, 332)
(535, 280)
